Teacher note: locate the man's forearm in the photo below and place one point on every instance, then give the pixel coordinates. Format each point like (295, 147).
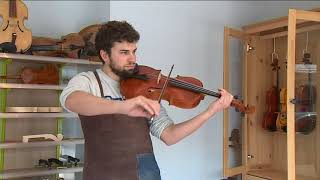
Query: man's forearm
(176, 132)
(89, 105)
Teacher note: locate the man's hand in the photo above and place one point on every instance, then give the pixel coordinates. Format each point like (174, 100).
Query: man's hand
(223, 102)
(140, 107)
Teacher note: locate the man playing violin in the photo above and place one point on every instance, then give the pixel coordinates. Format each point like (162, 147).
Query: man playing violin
(116, 131)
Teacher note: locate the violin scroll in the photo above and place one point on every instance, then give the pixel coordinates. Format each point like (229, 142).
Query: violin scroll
(242, 108)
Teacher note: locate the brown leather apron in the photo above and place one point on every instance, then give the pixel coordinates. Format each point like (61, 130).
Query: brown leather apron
(112, 142)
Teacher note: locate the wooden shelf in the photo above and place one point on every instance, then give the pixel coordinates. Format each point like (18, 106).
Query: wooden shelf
(30, 86)
(31, 172)
(46, 59)
(37, 115)
(15, 145)
(34, 109)
(276, 175)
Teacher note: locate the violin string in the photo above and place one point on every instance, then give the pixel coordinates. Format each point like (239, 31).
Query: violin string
(188, 85)
(192, 86)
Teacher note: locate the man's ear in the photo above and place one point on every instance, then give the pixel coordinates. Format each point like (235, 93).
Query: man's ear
(104, 56)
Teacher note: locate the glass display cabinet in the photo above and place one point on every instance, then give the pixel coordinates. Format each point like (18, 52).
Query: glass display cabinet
(273, 66)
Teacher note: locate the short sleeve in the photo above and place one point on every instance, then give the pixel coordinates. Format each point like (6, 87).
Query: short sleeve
(160, 123)
(80, 82)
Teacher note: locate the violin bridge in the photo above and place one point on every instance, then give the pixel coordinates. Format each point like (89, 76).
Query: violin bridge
(159, 77)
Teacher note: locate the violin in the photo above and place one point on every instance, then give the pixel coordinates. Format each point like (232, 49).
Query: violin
(282, 116)
(306, 95)
(89, 35)
(182, 92)
(13, 32)
(48, 74)
(70, 46)
(272, 101)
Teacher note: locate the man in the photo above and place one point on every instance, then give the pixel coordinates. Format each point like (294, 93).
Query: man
(116, 131)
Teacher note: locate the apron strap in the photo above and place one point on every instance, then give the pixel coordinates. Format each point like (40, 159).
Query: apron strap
(99, 82)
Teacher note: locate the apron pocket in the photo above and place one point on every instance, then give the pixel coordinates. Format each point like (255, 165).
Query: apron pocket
(147, 167)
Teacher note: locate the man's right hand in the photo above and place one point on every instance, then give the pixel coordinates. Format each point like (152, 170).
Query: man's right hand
(140, 106)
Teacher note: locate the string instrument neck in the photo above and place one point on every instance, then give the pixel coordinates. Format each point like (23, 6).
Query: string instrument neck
(12, 9)
(192, 87)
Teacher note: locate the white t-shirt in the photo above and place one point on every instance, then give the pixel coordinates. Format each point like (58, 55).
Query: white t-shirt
(87, 82)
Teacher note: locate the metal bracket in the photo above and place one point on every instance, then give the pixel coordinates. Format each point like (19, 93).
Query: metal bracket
(249, 47)
(293, 101)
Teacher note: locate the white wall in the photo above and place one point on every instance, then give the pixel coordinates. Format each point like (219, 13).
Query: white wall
(189, 34)
(58, 18)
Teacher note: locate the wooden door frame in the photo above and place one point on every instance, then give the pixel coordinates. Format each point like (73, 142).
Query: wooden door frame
(228, 33)
(293, 17)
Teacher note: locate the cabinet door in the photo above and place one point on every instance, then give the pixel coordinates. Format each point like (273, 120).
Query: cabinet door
(303, 95)
(234, 126)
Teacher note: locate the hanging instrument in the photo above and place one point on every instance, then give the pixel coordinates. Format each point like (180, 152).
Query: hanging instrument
(13, 32)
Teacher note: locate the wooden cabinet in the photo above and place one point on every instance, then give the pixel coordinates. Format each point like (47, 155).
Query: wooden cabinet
(18, 159)
(288, 148)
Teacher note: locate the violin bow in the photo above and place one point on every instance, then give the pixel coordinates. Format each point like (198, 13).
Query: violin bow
(165, 85)
(163, 88)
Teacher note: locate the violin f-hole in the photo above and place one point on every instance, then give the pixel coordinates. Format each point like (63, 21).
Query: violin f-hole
(6, 26)
(19, 26)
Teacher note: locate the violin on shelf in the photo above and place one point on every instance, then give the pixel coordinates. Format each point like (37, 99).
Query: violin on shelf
(69, 46)
(48, 74)
(89, 34)
(14, 36)
(183, 92)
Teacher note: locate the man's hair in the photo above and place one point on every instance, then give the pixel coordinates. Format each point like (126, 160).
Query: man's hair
(114, 31)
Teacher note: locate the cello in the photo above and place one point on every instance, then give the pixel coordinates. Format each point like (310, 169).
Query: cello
(13, 32)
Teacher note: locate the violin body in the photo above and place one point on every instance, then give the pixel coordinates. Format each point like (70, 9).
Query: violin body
(282, 115)
(89, 35)
(306, 96)
(71, 45)
(49, 74)
(13, 13)
(151, 89)
(270, 116)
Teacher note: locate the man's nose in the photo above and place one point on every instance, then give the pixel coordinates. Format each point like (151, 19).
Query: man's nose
(132, 58)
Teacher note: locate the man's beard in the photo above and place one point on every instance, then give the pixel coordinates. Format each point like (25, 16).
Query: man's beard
(121, 73)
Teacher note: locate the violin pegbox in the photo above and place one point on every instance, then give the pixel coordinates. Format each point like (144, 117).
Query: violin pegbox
(275, 62)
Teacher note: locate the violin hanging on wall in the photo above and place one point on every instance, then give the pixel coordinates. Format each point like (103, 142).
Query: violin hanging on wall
(306, 95)
(272, 102)
(13, 32)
